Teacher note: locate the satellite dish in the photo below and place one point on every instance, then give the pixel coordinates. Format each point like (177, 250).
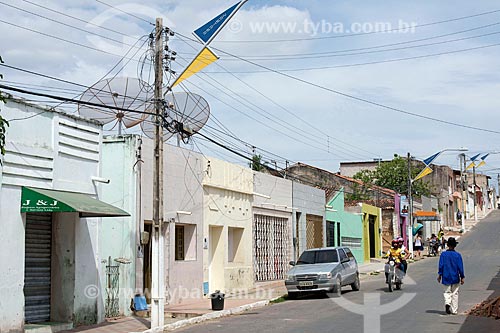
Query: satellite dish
(191, 111)
(127, 93)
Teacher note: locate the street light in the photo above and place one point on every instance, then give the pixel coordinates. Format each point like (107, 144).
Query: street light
(474, 166)
(427, 170)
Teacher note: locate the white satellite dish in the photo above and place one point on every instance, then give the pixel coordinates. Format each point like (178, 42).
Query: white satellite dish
(187, 109)
(127, 93)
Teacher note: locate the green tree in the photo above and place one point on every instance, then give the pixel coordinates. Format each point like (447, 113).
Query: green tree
(394, 175)
(256, 163)
(3, 123)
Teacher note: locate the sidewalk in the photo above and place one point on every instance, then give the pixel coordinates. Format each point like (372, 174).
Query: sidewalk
(192, 311)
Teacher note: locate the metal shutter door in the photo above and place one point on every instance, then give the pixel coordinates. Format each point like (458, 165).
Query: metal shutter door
(37, 267)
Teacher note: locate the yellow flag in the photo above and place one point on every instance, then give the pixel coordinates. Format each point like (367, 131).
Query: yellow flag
(470, 166)
(202, 60)
(427, 170)
(481, 164)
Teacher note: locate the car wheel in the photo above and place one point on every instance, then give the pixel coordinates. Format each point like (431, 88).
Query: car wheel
(292, 295)
(356, 285)
(337, 288)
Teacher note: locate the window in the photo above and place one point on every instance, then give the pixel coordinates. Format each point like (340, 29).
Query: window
(338, 234)
(352, 242)
(330, 233)
(349, 253)
(342, 255)
(185, 242)
(318, 257)
(234, 236)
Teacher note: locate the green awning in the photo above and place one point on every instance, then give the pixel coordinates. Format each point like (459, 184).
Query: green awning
(41, 200)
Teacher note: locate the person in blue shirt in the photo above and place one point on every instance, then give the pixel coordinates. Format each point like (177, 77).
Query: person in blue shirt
(451, 275)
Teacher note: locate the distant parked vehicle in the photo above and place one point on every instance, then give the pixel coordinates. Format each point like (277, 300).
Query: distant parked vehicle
(323, 270)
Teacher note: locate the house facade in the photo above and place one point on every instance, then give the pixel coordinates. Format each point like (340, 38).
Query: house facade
(50, 214)
(344, 228)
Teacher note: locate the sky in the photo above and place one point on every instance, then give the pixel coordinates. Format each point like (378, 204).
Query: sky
(345, 89)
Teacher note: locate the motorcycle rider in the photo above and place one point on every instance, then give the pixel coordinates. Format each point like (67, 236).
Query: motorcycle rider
(404, 254)
(396, 253)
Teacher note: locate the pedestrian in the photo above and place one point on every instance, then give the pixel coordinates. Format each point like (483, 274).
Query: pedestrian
(459, 216)
(451, 275)
(419, 247)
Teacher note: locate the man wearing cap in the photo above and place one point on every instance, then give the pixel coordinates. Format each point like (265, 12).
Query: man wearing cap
(451, 275)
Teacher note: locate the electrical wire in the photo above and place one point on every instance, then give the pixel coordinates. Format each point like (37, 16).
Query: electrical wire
(359, 99)
(321, 55)
(364, 33)
(75, 18)
(65, 24)
(62, 39)
(124, 12)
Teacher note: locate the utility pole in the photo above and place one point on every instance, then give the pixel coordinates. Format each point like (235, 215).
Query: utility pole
(463, 185)
(157, 265)
(410, 208)
(474, 191)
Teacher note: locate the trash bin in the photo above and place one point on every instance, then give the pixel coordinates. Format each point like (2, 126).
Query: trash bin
(217, 300)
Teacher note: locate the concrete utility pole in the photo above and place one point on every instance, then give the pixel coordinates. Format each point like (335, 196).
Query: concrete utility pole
(463, 190)
(410, 209)
(474, 191)
(157, 265)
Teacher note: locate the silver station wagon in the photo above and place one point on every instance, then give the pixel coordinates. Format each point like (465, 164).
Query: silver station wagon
(323, 270)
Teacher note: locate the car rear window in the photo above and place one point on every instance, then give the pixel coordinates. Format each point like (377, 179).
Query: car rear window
(318, 257)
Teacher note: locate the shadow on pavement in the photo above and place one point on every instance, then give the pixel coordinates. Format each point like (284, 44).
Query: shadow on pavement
(482, 324)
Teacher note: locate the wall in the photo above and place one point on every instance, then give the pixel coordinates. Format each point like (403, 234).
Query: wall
(273, 197)
(228, 197)
(47, 149)
(368, 210)
(351, 224)
(184, 193)
(349, 169)
(118, 236)
(306, 200)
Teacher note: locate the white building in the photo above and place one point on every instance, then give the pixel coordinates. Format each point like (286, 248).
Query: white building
(49, 219)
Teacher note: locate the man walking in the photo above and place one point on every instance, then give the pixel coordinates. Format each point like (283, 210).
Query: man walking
(451, 275)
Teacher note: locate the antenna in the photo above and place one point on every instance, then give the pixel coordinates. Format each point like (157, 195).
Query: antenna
(124, 92)
(186, 114)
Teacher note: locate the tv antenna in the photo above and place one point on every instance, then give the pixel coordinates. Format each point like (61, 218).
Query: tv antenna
(124, 92)
(184, 115)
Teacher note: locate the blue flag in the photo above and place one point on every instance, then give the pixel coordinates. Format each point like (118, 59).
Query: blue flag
(429, 160)
(210, 29)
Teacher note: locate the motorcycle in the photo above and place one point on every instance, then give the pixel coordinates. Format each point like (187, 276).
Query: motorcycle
(394, 274)
(433, 248)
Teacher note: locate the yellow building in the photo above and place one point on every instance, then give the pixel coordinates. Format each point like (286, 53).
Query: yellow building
(371, 231)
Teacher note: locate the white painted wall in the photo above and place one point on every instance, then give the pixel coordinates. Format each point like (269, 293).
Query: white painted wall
(50, 150)
(307, 200)
(228, 196)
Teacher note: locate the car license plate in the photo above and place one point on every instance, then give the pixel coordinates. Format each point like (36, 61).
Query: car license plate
(305, 283)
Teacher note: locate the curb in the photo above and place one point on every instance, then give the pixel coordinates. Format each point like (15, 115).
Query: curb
(210, 316)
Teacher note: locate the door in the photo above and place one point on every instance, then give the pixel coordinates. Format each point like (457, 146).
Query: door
(37, 267)
(216, 259)
(373, 252)
(314, 231)
(270, 247)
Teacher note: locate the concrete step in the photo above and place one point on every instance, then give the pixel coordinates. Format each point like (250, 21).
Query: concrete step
(49, 327)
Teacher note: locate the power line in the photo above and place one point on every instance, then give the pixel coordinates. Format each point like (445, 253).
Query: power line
(75, 18)
(373, 47)
(65, 99)
(325, 55)
(65, 24)
(62, 39)
(287, 110)
(366, 101)
(124, 12)
(304, 69)
(364, 33)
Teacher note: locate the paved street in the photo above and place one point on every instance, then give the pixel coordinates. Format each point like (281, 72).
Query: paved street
(424, 313)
